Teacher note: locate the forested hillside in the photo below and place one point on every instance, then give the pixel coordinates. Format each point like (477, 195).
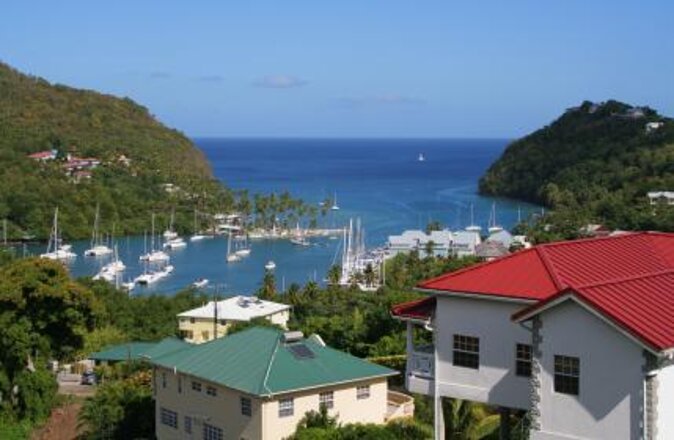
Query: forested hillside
(593, 164)
(138, 156)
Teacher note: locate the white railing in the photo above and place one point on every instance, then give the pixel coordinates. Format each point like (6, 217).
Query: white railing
(421, 362)
(399, 405)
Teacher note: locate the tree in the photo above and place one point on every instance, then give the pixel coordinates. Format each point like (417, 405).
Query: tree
(430, 248)
(433, 226)
(334, 274)
(468, 420)
(268, 289)
(369, 275)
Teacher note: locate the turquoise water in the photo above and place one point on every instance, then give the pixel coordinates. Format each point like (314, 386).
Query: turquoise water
(380, 181)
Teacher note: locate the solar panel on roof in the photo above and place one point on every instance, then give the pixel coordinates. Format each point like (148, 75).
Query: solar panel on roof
(301, 351)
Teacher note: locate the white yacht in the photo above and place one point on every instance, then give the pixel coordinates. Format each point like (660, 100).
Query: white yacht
(421, 157)
(232, 257)
(98, 248)
(493, 226)
(196, 236)
(243, 249)
(473, 227)
(175, 243)
(56, 250)
(299, 239)
(170, 234)
(154, 255)
(270, 265)
(335, 206)
(200, 283)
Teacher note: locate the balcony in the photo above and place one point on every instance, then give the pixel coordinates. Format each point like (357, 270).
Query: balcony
(399, 405)
(421, 361)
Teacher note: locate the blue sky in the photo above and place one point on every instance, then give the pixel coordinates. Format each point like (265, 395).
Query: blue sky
(361, 68)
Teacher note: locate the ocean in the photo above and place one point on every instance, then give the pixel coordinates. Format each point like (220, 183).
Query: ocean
(380, 181)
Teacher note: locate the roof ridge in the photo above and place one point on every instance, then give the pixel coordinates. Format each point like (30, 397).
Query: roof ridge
(271, 361)
(475, 267)
(549, 267)
(623, 235)
(624, 279)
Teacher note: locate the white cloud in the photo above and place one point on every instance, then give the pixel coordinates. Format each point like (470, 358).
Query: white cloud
(280, 82)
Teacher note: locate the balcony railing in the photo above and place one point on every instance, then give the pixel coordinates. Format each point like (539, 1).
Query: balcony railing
(399, 405)
(421, 361)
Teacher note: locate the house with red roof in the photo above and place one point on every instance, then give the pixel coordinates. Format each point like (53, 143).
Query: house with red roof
(43, 156)
(578, 334)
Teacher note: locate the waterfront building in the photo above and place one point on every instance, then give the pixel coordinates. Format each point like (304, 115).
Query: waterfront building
(210, 321)
(259, 383)
(578, 334)
(445, 242)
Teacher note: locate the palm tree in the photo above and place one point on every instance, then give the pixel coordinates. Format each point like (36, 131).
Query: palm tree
(468, 420)
(334, 274)
(369, 275)
(429, 248)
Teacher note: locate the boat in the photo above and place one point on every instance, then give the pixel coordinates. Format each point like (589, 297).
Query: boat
(149, 277)
(270, 265)
(196, 236)
(56, 249)
(200, 283)
(97, 248)
(335, 206)
(175, 243)
(493, 227)
(116, 265)
(154, 255)
(128, 286)
(170, 234)
(244, 249)
(299, 239)
(231, 256)
(473, 227)
(421, 157)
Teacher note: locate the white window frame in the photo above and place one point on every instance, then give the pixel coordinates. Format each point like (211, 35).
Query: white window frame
(326, 399)
(211, 391)
(212, 432)
(246, 406)
(286, 407)
(196, 386)
(363, 392)
(168, 417)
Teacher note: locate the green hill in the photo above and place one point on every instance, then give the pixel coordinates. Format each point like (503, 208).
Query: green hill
(597, 161)
(138, 157)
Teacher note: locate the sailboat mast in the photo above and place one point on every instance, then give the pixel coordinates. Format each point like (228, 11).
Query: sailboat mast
(152, 235)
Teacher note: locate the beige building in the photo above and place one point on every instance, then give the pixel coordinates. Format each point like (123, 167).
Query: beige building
(208, 321)
(259, 383)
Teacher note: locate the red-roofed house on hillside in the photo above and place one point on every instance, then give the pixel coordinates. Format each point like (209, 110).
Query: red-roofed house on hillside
(43, 156)
(579, 334)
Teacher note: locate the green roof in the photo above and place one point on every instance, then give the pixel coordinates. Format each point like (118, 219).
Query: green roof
(140, 350)
(258, 362)
(122, 352)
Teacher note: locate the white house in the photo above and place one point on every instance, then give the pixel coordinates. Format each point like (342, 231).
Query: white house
(210, 321)
(661, 197)
(464, 243)
(579, 334)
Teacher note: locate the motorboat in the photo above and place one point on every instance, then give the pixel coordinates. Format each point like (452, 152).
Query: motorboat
(200, 283)
(270, 265)
(175, 243)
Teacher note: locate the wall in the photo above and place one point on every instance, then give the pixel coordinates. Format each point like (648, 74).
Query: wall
(665, 404)
(201, 325)
(347, 408)
(223, 410)
(610, 401)
(495, 381)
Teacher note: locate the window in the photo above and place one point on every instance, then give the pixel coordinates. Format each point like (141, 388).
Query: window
(246, 407)
(211, 391)
(567, 375)
(466, 351)
(192, 320)
(212, 432)
(163, 380)
(188, 424)
(196, 386)
(205, 335)
(523, 360)
(286, 407)
(326, 399)
(363, 392)
(223, 322)
(180, 384)
(169, 418)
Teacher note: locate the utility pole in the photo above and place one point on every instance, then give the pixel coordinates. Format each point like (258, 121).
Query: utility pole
(215, 312)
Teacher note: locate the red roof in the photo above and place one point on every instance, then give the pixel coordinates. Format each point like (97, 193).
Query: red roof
(420, 309)
(41, 155)
(628, 278)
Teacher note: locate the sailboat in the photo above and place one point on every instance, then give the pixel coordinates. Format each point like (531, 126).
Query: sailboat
(231, 256)
(244, 248)
(97, 247)
(116, 265)
(493, 227)
(421, 157)
(473, 227)
(154, 254)
(56, 250)
(196, 236)
(299, 239)
(335, 206)
(170, 234)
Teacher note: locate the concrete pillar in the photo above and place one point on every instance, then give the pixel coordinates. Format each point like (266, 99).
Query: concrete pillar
(504, 428)
(439, 417)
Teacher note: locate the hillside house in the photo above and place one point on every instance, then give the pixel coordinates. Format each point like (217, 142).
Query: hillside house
(661, 197)
(579, 334)
(259, 383)
(210, 321)
(43, 156)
